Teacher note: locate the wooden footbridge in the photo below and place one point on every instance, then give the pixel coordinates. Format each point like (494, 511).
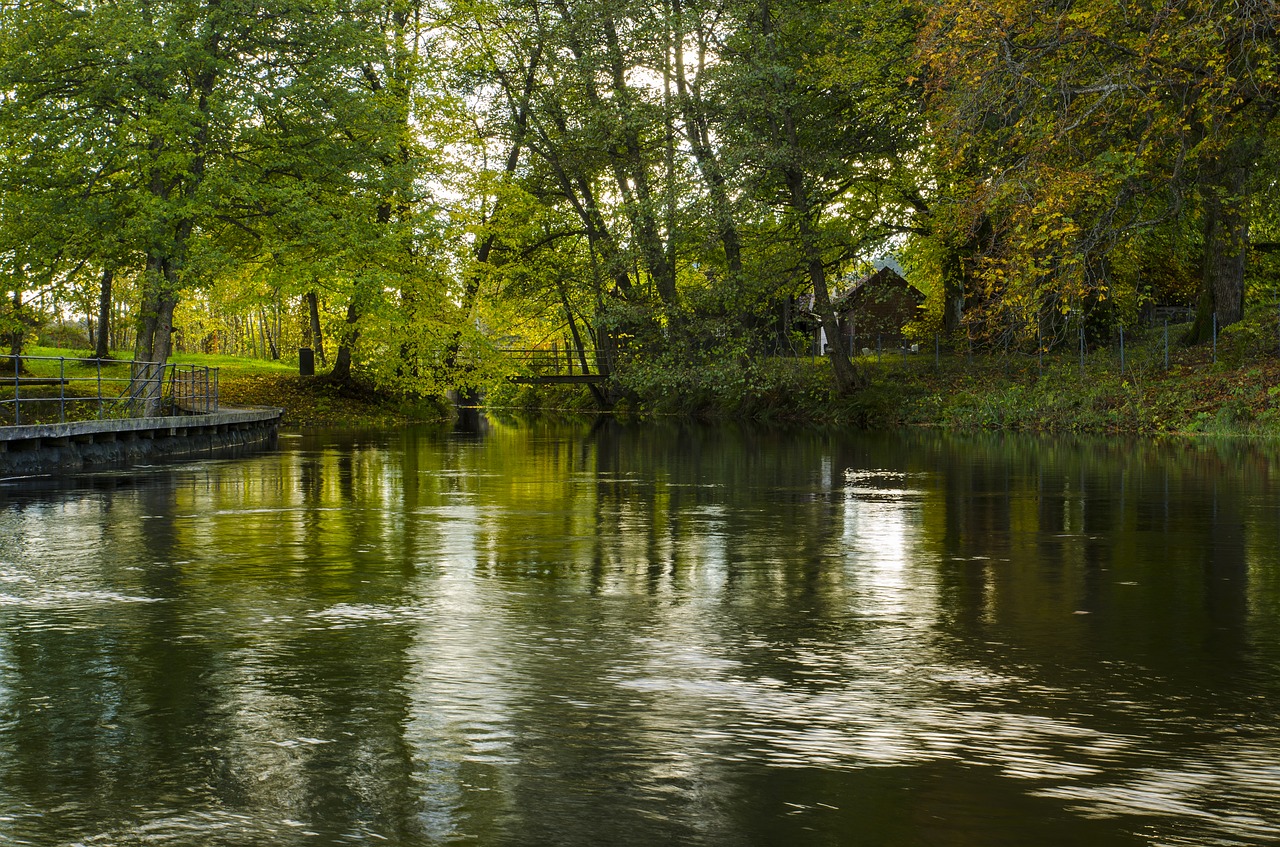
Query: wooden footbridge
(554, 365)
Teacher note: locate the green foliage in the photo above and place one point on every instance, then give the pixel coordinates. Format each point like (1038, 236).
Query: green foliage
(1101, 153)
(653, 186)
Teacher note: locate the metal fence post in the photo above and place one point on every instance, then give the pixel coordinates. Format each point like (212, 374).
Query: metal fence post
(17, 390)
(101, 411)
(1081, 330)
(1039, 347)
(62, 389)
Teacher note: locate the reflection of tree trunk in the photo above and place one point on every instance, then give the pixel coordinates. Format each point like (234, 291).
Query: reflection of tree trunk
(317, 340)
(103, 350)
(1226, 583)
(1226, 246)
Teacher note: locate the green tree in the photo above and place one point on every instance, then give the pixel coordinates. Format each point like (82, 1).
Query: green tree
(1078, 130)
(825, 121)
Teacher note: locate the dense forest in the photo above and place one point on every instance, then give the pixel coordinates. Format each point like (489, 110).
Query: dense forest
(410, 187)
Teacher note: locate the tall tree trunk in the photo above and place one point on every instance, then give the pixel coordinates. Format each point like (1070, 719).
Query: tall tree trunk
(15, 337)
(576, 188)
(630, 172)
(581, 349)
(626, 155)
(846, 378)
(103, 350)
(953, 288)
(342, 362)
(520, 130)
(155, 333)
(698, 132)
(1226, 246)
(317, 340)
(268, 342)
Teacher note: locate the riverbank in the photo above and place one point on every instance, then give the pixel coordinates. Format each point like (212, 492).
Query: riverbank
(1150, 389)
(1232, 388)
(317, 401)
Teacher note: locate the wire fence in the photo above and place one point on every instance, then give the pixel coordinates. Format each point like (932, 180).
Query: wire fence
(1152, 345)
(47, 389)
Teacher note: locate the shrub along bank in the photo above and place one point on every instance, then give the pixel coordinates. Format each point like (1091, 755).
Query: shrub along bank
(1233, 388)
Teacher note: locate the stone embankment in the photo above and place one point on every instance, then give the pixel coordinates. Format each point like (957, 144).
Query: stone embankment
(68, 447)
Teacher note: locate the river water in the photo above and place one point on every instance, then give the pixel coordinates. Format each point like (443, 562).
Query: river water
(538, 634)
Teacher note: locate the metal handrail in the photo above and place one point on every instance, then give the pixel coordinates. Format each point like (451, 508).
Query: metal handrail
(143, 388)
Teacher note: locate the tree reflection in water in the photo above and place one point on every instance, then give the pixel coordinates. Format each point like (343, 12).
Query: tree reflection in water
(597, 633)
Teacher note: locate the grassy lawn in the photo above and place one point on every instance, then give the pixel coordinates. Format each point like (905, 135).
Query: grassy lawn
(307, 401)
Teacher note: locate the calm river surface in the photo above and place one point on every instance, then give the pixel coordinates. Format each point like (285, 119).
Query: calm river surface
(545, 634)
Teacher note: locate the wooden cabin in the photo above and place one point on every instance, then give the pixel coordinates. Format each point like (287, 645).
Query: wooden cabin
(875, 309)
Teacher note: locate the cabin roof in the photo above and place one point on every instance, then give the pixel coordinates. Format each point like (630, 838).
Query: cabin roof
(885, 277)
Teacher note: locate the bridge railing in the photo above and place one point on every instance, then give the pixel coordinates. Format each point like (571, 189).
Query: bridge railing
(57, 389)
(554, 360)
